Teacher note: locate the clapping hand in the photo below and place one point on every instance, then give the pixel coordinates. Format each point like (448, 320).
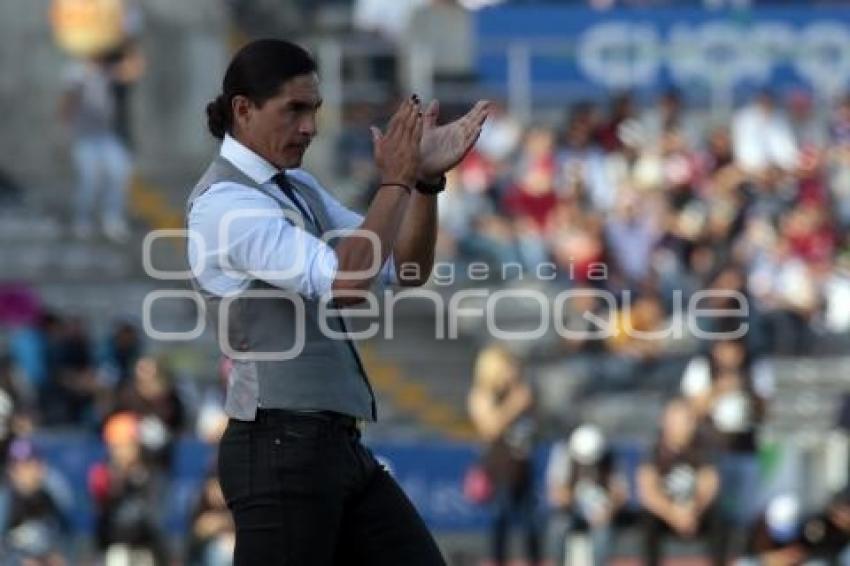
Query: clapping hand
(398, 151)
(445, 146)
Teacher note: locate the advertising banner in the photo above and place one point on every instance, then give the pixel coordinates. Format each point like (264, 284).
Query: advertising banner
(719, 53)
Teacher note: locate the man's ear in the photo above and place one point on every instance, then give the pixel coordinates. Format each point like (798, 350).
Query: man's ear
(242, 107)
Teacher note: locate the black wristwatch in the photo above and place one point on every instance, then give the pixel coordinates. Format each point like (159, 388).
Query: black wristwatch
(431, 188)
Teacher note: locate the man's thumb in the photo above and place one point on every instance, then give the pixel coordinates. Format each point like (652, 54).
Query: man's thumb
(376, 134)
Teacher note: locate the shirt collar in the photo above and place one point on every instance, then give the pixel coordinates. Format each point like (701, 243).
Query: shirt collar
(255, 167)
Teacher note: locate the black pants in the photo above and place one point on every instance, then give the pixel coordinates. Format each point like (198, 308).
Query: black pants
(515, 505)
(304, 491)
(711, 530)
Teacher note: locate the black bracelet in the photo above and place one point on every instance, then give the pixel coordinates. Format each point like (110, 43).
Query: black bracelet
(431, 189)
(402, 185)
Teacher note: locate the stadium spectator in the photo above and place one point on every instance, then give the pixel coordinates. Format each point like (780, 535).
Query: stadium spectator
(607, 134)
(631, 234)
(576, 244)
(730, 392)
(151, 397)
(638, 345)
(678, 488)
(530, 201)
(77, 381)
(774, 538)
(101, 158)
(809, 131)
(582, 165)
(501, 404)
(126, 498)
(787, 297)
(33, 520)
(762, 137)
(120, 351)
(36, 352)
(826, 535)
(783, 534)
(670, 113)
(68, 394)
(585, 492)
(212, 538)
(718, 151)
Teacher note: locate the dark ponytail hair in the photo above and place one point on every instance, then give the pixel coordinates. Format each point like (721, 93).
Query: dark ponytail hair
(257, 71)
(218, 118)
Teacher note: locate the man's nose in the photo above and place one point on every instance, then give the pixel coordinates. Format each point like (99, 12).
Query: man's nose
(308, 127)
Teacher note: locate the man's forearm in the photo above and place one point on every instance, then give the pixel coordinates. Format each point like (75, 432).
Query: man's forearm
(357, 253)
(414, 247)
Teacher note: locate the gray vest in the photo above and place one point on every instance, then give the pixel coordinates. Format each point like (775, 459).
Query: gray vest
(327, 374)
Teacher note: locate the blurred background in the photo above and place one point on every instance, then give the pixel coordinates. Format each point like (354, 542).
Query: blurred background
(683, 144)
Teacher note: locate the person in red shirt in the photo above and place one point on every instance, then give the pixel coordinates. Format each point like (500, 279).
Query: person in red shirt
(531, 201)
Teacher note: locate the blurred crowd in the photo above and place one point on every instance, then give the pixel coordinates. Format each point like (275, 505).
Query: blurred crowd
(663, 202)
(57, 376)
(671, 201)
(699, 481)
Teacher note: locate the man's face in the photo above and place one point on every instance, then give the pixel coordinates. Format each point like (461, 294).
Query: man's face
(281, 129)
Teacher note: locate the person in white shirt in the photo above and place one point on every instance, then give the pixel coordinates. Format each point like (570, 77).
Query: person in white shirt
(101, 158)
(300, 485)
(261, 238)
(762, 137)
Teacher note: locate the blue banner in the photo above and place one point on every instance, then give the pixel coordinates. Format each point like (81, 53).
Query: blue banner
(432, 477)
(430, 473)
(718, 53)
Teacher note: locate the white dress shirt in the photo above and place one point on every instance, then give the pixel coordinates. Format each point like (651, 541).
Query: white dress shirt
(260, 244)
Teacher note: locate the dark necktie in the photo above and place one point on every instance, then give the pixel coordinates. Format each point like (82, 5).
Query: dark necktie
(286, 187)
